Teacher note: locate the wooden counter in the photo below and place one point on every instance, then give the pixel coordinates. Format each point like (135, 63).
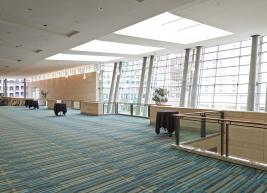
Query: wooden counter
(91, 108)
(155, 108)
(50, 103)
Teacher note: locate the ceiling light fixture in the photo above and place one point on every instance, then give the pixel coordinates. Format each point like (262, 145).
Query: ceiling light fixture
(172, 28)
(115, 47)
(76, 57)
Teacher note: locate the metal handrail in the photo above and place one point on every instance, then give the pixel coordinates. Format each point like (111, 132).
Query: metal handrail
(219, 120)
(201, 112)
(225, 123)
(131, 105)
(141, 104)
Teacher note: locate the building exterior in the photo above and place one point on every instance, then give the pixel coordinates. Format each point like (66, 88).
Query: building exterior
(15, 87)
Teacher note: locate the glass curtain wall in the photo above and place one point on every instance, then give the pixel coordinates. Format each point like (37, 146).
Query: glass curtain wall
(167, 74)
(105, 79)
(223, 81)
(262, 76)
(224, 76)
(130, 81)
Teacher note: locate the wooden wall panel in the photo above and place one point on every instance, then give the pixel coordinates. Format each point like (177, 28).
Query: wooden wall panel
(71, 88)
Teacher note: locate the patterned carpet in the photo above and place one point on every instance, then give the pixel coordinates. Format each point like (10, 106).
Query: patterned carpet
(43, 153)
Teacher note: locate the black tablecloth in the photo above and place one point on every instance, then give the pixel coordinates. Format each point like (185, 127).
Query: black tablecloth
(33, 104)
(27, 102)
(165, 120)
(60, 107)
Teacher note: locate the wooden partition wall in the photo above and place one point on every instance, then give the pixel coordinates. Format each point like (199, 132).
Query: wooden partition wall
(69, 88)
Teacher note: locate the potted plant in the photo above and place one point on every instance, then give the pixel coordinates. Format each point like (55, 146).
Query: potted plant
(44, 96)
(160, 96)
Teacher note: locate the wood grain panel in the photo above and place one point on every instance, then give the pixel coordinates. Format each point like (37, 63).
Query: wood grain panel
(71, 88)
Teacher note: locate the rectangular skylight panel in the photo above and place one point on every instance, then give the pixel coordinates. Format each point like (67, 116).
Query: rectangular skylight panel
(87, 58)
(180, 24)
(199, 33)
(171, 28)
(160, 19)
(114, 47)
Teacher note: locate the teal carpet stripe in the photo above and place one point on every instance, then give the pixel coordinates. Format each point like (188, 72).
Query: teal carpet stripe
(76, 153)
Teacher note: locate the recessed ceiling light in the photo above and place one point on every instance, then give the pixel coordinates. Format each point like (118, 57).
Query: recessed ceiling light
(172, 28)
(76, 57)
(115, 47)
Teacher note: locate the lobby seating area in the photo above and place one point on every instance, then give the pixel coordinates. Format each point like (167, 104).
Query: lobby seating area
(111, 153)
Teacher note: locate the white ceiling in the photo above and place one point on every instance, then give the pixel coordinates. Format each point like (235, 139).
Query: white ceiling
(22, 30)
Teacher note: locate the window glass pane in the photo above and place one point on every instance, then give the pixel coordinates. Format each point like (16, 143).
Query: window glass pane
(230, 46)
(246, 51)
(209, 64)
(227, 62)
(210, 56)
(244, 60)
(229, 53)
(211, 49)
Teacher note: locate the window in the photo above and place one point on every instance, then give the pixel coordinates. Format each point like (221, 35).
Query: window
(105, 78)
(130, 81)
(262, 77)
(167, 73)
(224, 76)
